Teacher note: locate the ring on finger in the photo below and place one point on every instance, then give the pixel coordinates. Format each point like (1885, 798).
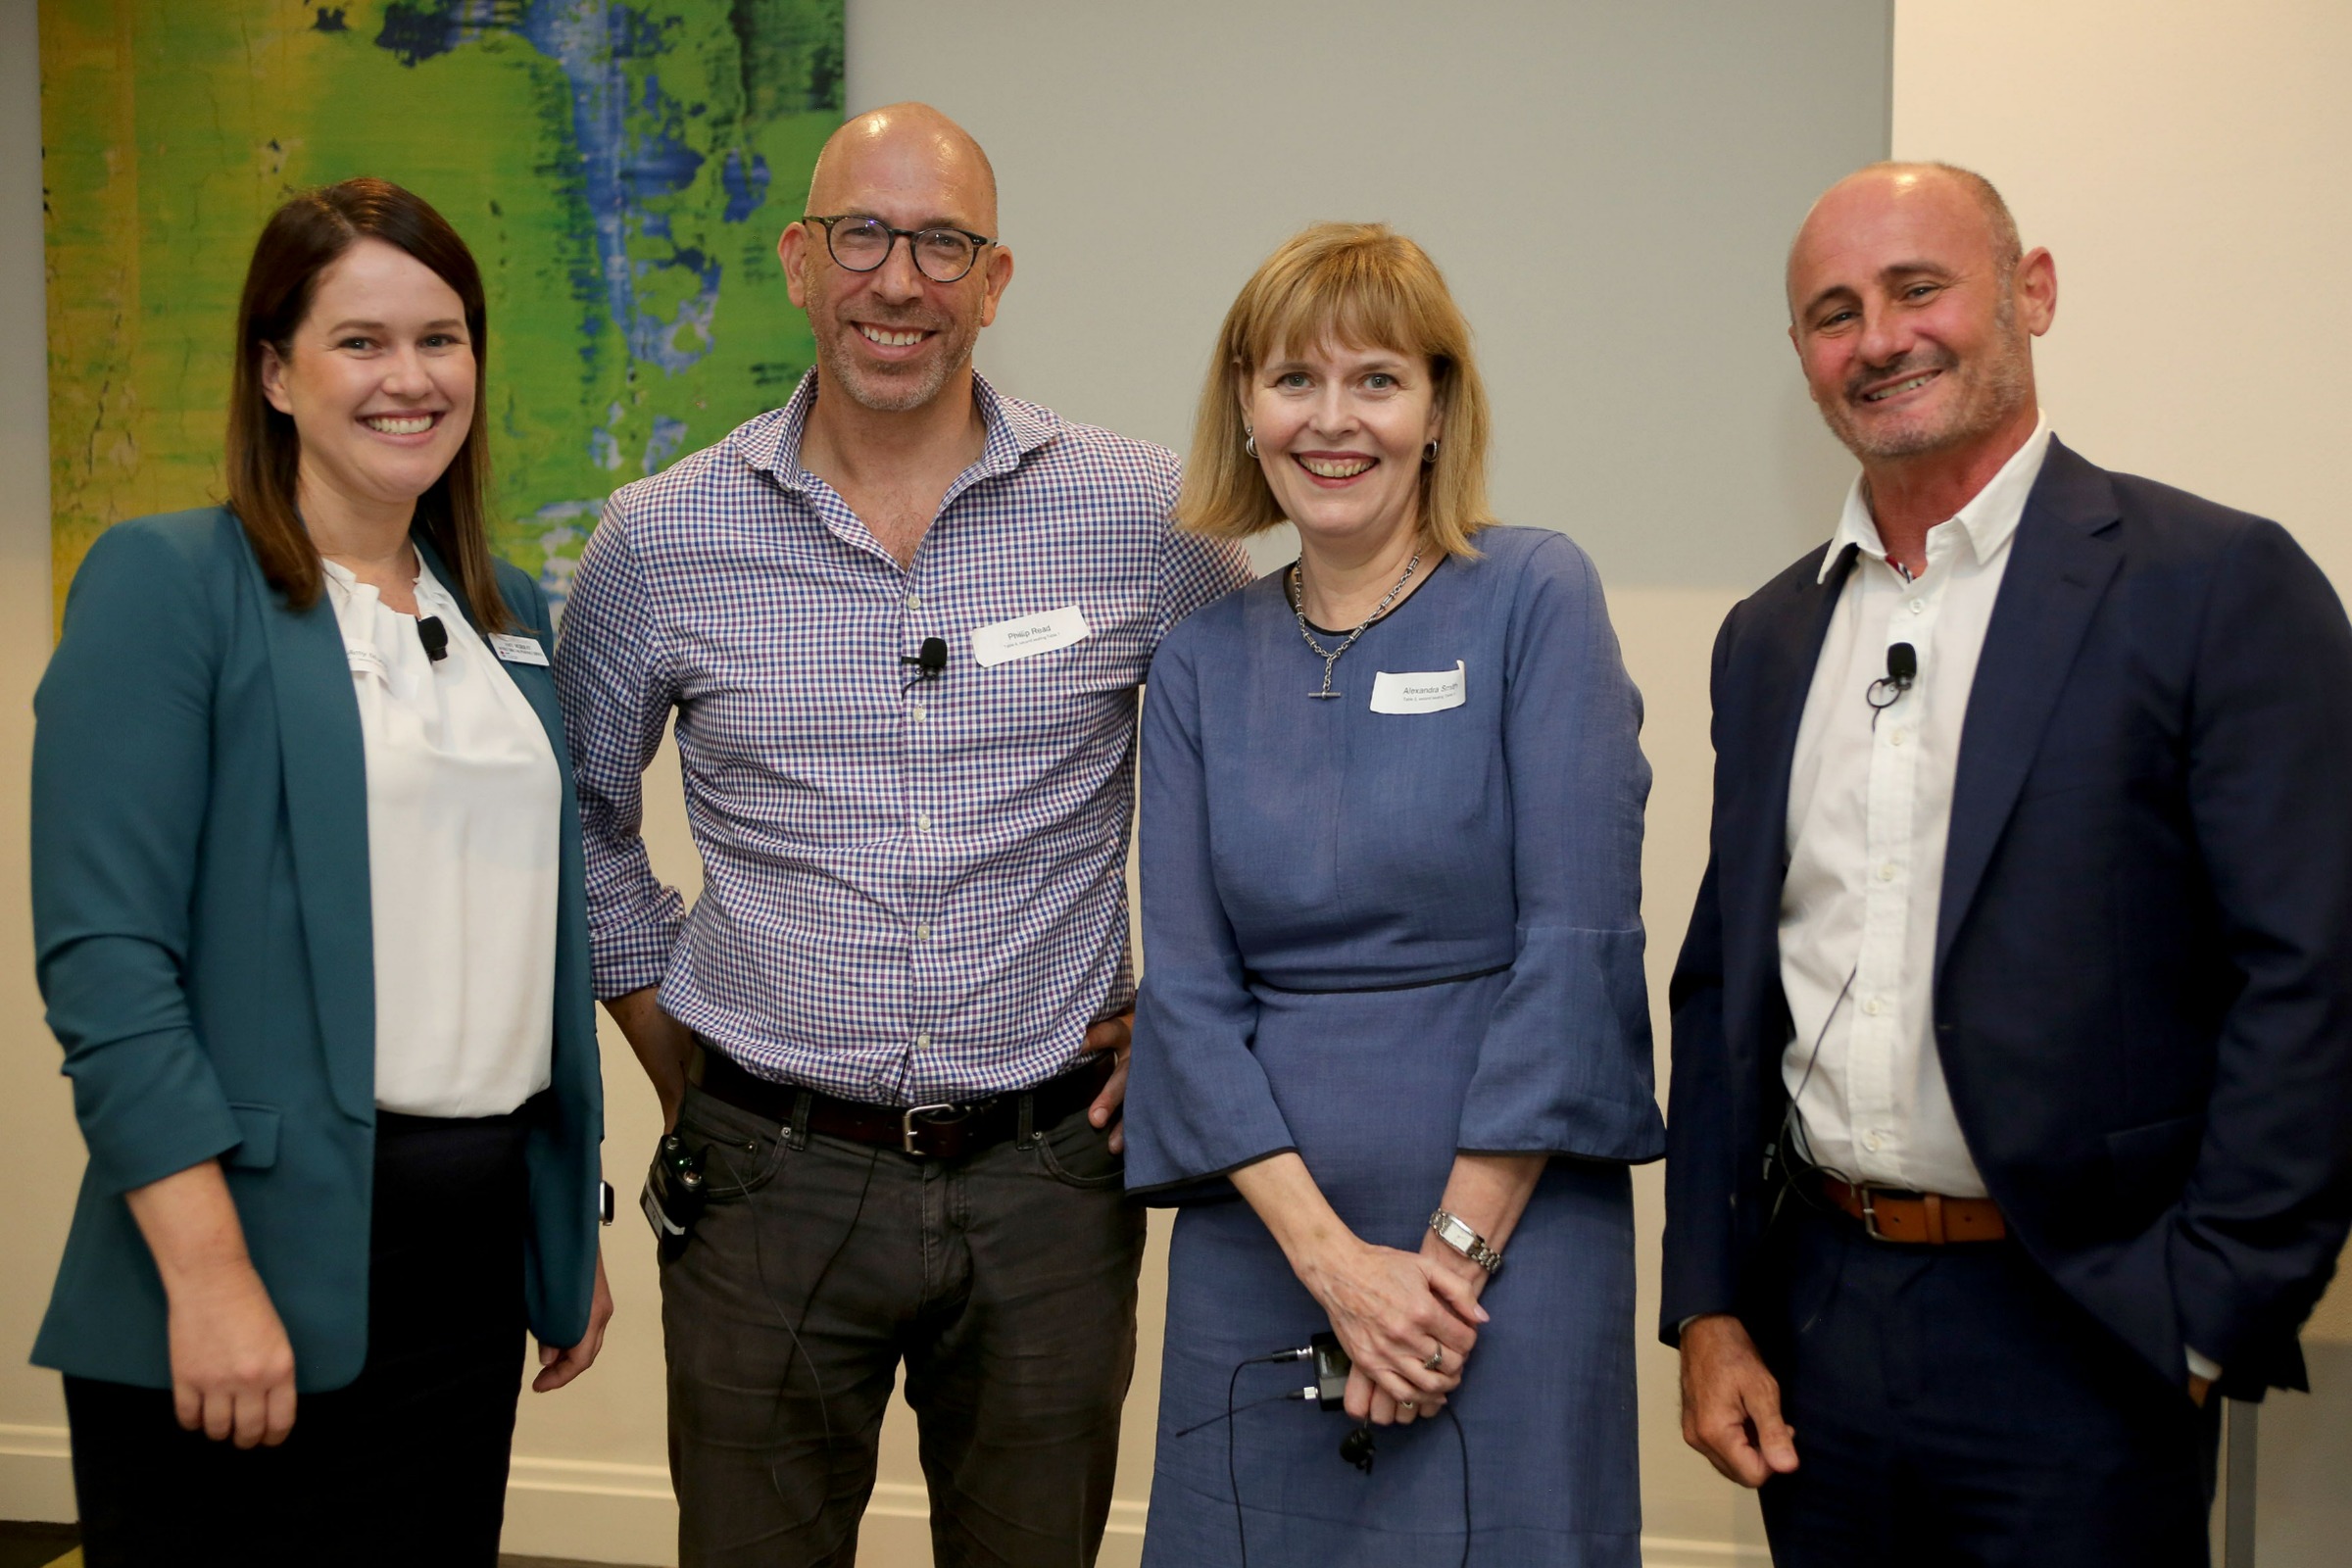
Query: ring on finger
(1407, 1407)
(1435, 1358)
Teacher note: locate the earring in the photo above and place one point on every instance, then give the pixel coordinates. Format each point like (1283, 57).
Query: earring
(1249, 440)
(1429, 452)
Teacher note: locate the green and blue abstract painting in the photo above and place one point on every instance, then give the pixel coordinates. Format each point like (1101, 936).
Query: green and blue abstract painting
(620, 171)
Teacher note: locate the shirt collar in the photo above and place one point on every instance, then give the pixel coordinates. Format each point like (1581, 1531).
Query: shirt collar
(772, 443)
(1988, 522)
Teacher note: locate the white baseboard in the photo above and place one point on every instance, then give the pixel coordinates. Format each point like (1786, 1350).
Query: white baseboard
(625, 1514)
(36, 1474)
(1666, 1551)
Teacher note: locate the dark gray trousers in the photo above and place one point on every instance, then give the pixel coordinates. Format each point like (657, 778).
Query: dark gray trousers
(1006, 1284)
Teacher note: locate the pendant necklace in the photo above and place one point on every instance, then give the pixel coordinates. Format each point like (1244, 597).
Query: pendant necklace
(1331, 655)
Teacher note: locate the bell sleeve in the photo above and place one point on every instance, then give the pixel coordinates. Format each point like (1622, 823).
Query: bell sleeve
(1565, 1068)
(1198, 1103)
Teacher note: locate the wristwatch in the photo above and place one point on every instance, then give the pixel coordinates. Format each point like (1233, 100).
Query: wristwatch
(1465, 1241)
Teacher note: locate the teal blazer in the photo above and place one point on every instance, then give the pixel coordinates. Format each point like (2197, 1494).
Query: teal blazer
(202, 935)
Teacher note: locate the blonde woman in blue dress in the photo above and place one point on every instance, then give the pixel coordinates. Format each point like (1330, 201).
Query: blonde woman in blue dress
(1392, 1052)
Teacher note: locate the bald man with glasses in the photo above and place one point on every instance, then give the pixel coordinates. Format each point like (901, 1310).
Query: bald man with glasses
(900, 623)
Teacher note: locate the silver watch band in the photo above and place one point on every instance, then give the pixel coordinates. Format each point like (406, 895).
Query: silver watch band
(1456, 1234)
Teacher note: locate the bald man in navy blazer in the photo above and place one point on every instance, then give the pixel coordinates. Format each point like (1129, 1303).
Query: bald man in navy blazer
(2012, 1097)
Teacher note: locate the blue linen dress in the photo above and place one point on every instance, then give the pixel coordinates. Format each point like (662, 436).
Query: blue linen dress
(1378, 939)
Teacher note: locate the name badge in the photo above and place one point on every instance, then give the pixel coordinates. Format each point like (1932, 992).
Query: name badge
(1008, 640)
(368, 662)
(518, 650)
(1432, 692)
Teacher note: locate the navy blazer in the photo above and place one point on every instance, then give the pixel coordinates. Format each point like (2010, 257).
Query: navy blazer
(202, 933)
(2143, 950)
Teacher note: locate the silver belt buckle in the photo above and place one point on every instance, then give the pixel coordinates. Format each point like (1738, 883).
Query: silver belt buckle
(1870, 1216)
(907, 1127)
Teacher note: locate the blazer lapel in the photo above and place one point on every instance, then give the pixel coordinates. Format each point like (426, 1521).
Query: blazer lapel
(2062, 559)
(1777, 681)
(325, 765)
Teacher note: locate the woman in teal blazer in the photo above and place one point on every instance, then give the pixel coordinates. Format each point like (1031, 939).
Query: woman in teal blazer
(259, 1225)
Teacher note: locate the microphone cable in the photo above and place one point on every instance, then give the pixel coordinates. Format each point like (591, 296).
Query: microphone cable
(1357, 1450)
(792, 1330)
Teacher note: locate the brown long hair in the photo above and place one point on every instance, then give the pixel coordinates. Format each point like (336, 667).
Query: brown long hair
(303, 239)
(1357, 283)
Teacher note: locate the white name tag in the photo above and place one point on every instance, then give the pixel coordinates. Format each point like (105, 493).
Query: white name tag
(1432, 692)
(1008, 640)
(368, 662)
(518, 650)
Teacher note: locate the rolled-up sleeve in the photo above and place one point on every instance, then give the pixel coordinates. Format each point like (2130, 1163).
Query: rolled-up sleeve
(122, 756)
(1198, 1103)
(617, 694)
(1565, 1066)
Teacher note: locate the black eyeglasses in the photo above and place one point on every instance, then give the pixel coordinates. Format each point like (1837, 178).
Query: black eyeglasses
(863, 244)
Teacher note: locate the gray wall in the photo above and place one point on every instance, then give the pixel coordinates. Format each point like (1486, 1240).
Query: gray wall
(1610, 186)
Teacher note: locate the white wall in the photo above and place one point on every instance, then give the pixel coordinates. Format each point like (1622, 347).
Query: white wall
(2190, 168)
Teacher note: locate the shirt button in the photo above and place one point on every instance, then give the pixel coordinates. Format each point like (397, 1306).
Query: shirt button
(922, 821)
(1871, 1007)
(922, 1042)
(922, 932)
(1919, 607)
(1871, 1142)
(1887, 872)
(1899, 737)
(918, 711)
(914, 601)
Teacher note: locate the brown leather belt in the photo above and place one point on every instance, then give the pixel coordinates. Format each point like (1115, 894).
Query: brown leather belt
(946, 1130)
(1921, 1219)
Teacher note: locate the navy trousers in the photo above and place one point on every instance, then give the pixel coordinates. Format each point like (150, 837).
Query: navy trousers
(1953, 1406)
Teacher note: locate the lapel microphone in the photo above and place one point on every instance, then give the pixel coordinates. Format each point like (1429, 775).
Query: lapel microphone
(930, 659)
(434, 636)
(928, 662)
(1902, 668)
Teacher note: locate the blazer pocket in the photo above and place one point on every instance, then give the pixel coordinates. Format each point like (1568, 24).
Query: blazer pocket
(2149, 1164)
(257, 1137)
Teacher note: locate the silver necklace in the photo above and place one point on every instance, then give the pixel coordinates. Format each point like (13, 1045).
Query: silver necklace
(1331, 655)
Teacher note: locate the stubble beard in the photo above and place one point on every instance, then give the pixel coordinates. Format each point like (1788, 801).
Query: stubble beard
(1992, 389)
(838, 365)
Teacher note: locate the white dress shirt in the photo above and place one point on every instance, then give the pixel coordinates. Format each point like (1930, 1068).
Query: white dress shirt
(1869, 801)
(463, 806)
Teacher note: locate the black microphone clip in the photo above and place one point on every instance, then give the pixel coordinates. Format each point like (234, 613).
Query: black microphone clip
(434, 636)
(930, 659)
(1902, 668)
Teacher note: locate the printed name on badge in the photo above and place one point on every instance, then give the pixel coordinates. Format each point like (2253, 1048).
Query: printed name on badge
(367, 661)
(1008, 640)
(518, 650)
(1431, 692)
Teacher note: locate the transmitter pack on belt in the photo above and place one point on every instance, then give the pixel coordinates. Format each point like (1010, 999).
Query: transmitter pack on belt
(675, 1191)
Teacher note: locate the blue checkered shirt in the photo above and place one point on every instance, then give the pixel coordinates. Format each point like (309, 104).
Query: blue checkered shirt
(913, 890)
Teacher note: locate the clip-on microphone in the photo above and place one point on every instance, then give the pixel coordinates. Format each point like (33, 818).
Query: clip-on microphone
(435, 637)
(929, 661)
(1902, 668)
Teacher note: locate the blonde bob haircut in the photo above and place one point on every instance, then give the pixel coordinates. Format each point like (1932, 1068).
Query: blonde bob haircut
(1367, 286)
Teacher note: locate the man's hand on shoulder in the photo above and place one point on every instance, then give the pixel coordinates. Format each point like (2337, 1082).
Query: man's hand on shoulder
(1115, 1035)
(1732, 1402)
(663, 1046)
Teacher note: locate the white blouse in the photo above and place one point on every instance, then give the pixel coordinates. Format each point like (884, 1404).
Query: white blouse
(462, 801)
